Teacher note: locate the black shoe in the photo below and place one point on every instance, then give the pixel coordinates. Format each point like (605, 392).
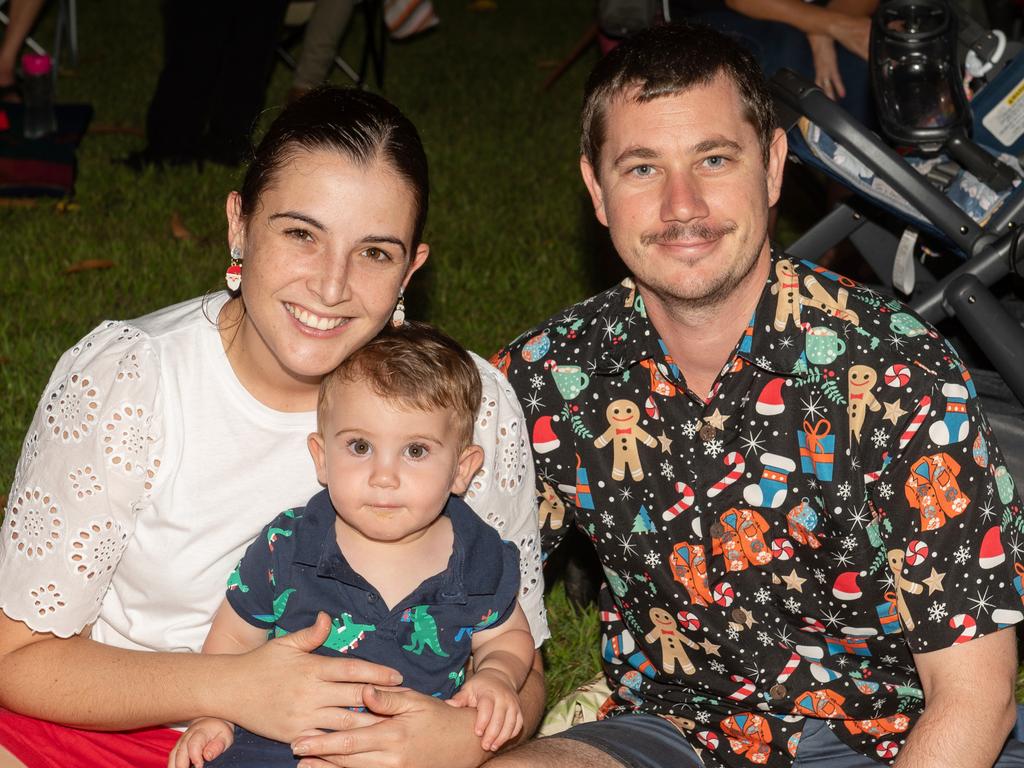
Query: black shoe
(10, 94)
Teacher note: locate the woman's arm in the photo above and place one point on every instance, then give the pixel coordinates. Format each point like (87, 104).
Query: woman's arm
(287, 689)
(852, 31)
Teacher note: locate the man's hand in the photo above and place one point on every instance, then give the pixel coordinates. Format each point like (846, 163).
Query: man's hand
(417, 730)
(205, 739)
(826, 67)
(499, 716)
(289, 691)
(852, 32)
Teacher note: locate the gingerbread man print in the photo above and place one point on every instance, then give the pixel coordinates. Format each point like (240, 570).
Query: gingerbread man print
(861, 380)
(901, 585)
(787, 288)
(623, 428)
(672, 642)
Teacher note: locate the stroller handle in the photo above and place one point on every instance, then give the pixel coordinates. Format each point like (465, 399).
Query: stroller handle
(797, 95)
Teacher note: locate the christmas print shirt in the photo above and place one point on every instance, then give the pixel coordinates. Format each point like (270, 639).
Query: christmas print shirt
(780, 551)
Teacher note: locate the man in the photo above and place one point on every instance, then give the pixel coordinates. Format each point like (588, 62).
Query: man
(797, 502)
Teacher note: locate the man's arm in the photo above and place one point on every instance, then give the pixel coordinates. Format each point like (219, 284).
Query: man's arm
(278, 690)
(852, 31)
(419, 731)
(969, 704)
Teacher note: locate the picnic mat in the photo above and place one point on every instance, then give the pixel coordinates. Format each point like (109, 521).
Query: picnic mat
(40, 167)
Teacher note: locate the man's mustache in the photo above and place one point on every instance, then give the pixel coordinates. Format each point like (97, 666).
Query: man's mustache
(689, 233)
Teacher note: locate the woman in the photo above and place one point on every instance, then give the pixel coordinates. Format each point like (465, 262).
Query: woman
(161, 446)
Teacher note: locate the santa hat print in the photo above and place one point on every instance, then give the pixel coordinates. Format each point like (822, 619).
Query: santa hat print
(544, 438)
(991, 553)
(845, 587)
(769, 402)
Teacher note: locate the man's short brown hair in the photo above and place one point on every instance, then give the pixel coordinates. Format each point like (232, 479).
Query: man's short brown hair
(415, 366)
(666, 61)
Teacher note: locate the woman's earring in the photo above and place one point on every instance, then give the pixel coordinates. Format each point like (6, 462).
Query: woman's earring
(398, 316)
(233, 277)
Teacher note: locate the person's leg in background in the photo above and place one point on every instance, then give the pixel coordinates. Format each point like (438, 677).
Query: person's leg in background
(320, 44)
(240, 89)
(22, 15)
(194, 32)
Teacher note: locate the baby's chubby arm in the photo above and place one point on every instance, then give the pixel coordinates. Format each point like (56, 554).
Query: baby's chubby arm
(208, 737)
(503, 657)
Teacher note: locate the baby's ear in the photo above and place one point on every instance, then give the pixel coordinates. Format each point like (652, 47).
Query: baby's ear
(315, 443)
(470, 461)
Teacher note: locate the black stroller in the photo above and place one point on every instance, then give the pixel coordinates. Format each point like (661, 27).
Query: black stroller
(944, 229)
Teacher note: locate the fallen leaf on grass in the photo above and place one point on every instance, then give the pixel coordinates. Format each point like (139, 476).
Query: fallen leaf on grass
(67, 206)
(17, 202)
(4, 359)
(87, 264)
(178, 229)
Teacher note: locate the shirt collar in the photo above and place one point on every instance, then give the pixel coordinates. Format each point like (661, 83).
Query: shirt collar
(317, 546)
(628, 338)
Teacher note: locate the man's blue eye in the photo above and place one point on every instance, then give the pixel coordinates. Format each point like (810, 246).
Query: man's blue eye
(643, 170)
(715, 162)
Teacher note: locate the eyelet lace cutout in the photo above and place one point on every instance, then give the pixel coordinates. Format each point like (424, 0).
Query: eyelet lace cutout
(84, 482)
(46, 599)
(129, 368)
(72, 408)
(96, 549)
(35, 523)
(151, 470)
(486, 412)
(125, 438)
(529, 564)
(29, 453)
(511, 461)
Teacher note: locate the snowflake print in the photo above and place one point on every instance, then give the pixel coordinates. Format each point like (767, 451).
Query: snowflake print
(961, 555)
(533, 402)
(842, 661)
(879, 438)
(536, 381)
(713, 448)
(607, 519)
(690, 428)
(666, 470)
(764, 638)
(717, 666)
(792, 605)
(761, 596)
(849, 542)
(844, 491)
(702, 717)
(885, 490)
(937, 611)
(653, 559)
(733, 634)
(889, 659)
(819, 575)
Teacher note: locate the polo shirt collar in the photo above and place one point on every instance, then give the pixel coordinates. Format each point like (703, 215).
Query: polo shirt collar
(317, 546)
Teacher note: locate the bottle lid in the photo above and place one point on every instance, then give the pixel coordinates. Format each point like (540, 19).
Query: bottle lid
(33, 64)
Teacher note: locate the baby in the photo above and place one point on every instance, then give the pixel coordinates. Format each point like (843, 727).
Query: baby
(410, 577)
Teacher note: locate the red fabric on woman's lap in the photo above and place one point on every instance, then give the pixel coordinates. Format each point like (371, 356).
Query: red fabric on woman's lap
(41, 744)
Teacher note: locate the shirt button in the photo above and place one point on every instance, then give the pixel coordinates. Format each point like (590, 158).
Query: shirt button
(707, 433)
(717, 530)
(371, 598)
(738, 615)
(778, 691)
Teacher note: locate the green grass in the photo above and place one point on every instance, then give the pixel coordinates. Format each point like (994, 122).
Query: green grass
(510, 227)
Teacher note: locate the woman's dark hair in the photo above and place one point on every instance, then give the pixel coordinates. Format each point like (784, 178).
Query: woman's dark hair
(668, 60)
(362, 126)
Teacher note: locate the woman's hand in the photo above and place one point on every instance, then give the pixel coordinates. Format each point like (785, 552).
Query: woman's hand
(283, 691)
(826, 66)
(417, 730)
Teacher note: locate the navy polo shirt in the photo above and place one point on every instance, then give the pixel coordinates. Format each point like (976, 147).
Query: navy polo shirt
(295, 568)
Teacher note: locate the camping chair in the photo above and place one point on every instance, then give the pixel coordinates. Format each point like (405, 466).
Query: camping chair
(67, 27)
(374, 44)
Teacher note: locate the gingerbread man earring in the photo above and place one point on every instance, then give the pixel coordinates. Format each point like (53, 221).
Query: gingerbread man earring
(398, 316)
(233, 277)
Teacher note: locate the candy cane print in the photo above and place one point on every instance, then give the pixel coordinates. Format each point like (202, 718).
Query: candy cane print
(682, 505)
(916, 422)
(789, 669)
(732, 459)
(745, 689)
(967, 624)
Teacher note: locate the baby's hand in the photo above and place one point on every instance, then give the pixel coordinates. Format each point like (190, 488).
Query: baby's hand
(204, 740)
(499, 717)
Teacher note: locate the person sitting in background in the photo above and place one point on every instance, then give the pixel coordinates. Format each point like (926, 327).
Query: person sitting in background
(22, 15)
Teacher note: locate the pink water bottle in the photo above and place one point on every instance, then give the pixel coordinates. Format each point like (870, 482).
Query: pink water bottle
(37, 91)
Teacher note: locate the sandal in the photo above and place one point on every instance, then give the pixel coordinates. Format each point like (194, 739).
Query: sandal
(10, 94)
